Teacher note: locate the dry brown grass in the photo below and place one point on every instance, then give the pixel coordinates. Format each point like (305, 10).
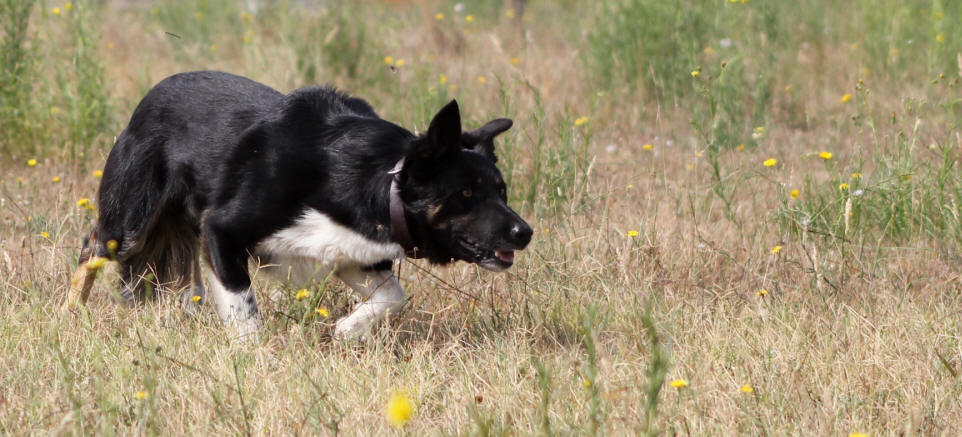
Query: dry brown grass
(856, 334)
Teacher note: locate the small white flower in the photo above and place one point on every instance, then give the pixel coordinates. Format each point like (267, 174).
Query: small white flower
(725, 43)
(611, 148)
(701, 246)
(458, 7)
(805, 221)
(857, 192)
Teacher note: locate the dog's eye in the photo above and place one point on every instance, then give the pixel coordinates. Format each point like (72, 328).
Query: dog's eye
(467, 193)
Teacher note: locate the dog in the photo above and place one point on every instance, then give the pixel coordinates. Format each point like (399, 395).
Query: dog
(309, 184)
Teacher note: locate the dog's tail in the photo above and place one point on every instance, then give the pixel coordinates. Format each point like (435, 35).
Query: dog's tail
(166, 252)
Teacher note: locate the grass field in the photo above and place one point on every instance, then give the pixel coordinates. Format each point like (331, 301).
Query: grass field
(748, 217)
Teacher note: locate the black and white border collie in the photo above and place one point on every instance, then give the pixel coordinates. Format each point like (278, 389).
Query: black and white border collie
(308, 184)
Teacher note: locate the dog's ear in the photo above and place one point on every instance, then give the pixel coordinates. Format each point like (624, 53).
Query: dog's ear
(443, 135)
(481, 140)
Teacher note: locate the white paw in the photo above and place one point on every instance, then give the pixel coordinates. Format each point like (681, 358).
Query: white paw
(349, 328)
(246, 330)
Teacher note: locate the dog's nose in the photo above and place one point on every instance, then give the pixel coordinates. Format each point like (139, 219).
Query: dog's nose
(521, 233)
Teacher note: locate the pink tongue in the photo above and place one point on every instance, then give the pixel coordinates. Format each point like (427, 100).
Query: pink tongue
(506, 256)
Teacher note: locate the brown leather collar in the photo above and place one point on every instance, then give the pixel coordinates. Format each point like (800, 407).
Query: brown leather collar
(399, 225)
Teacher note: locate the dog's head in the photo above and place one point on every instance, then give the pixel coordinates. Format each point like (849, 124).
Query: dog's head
(457, 196)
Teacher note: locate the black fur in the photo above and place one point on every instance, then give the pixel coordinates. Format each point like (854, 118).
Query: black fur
(218, 161)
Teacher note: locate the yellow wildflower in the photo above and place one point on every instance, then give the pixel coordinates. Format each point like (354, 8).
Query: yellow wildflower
(580, 121)
(213, 47)
(55, 179)
(111, 245)
(793, 194)
(695, 73)
(776, 249)
(586, 383)
(31, 162)
(761, 292)
(758, 133)
(83, 202)
(55, 11)
(322, 311)
(302, 294)
(747, 388)
(509, 13)
(198, 15)
(770, 162)
(481, 79)
(856, 175)
(679, 383)
(399, 409)
(96, 263)
(846, 98)
(907, 176)
(439, 16)
(195, 298)
(515, 61)
(44, 234)
(632, 233)
(98, 174)
(647, 147)
(843, 186)
(54, 110)
(68, 6)
(388, 60)
(858, 434)
(140, 395)
(940, 37)
(469, 18)
(825, 155)
(741, 147)
(443, 79)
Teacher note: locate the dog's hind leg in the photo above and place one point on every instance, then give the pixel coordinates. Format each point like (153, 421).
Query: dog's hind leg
(382, 293)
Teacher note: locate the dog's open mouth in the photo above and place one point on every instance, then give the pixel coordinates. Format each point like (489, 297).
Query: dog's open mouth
(492, 259)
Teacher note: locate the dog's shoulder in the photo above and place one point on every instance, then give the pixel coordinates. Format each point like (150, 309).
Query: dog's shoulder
(324, 104)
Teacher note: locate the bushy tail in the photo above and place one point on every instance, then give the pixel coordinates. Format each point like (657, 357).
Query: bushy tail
(167, 252)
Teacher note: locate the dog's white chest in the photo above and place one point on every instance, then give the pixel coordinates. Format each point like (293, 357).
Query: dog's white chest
(314, 235)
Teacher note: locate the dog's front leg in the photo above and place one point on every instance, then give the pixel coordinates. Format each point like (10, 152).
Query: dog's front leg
(230, 284)
(382, 293)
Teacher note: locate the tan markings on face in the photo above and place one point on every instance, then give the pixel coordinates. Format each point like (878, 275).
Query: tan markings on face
(433, 210)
